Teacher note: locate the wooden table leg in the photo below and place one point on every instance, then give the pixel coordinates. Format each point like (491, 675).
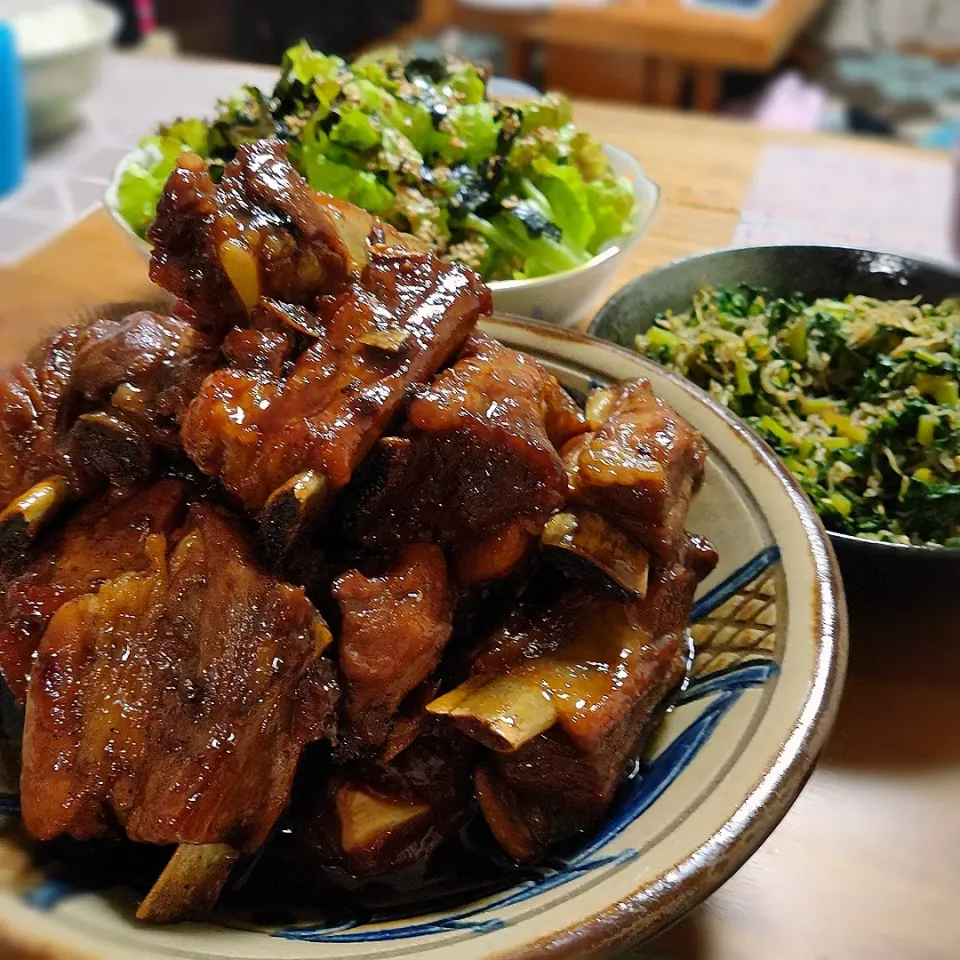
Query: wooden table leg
(519, 53)
(707, 82)
(668, 83)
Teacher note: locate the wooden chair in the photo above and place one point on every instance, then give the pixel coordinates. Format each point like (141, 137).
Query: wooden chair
(434, 16)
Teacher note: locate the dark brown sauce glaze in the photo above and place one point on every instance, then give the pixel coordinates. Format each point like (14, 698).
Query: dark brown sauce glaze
(255, 430)
(493, 702)
(286, 885)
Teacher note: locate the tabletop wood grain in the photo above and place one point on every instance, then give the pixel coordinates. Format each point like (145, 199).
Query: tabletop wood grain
(866, 865)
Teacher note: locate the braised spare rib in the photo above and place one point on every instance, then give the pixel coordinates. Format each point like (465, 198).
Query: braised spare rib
(363, 442)
(104, 540)
(640, 464)
(475, 467)
(284, 444)
(38, 474)
(91, 403)
(564, 694)
(134, 379)
(174, 702)
(412, 604)
(262, 232)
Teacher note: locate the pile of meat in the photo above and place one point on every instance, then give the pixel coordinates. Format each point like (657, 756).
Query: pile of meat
(314, 557)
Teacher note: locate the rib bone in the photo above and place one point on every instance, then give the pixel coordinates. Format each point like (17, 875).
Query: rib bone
(502, 713)
(26, 515)
(190, 883)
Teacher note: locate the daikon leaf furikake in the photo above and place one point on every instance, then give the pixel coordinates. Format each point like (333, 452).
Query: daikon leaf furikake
(860, 397)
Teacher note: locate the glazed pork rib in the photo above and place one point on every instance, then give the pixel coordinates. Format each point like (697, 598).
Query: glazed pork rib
(283, 445)
(421, 798)
(370, 821)
(476, 467)
(262, 232)
(412, 603)
(38, 475)
(134, 378)
(208, 659)
(565, 694)
(92, 402)
(105, 539)
(175, 701)
(639, 466)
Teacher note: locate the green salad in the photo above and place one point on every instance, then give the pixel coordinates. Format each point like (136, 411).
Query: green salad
(514, 192)
(860, 397)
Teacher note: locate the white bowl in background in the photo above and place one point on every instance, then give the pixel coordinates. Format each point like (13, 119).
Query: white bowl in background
(57, 75)
(560, 298)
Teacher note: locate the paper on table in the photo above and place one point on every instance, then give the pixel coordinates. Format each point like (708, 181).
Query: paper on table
(850, 198)
(739, 8)
(530, 6)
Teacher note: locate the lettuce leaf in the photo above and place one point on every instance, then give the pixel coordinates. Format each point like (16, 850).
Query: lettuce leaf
(317, 73)
(566, 192)
(587, 153)
(612, 202)
(141, 183)
(192, 134)
(339, 180)
(552, 110)
(468, 83)
(356, 129)
(535, 253)
(475, 131)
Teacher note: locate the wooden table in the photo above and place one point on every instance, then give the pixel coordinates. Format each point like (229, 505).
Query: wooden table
(641, 50)
(866, 866)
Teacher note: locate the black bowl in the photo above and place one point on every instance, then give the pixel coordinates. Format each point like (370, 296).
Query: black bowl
(813, 272)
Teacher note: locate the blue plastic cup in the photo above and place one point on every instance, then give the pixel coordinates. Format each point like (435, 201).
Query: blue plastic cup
(13, 115)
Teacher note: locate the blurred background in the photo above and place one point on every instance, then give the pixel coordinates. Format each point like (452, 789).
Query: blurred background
(888, 67)
(732, 107)
(96, 76)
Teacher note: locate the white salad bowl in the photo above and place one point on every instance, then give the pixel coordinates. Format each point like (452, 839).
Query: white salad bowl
(561, 298)
(60, 69)
(729, 758)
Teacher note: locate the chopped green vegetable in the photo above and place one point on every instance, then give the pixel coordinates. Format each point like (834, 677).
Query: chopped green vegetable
(861, 397)
(926, 429)
(777, 430)
(514, 192)
(943, 389)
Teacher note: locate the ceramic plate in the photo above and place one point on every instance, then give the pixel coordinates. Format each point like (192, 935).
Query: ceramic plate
(728, 761)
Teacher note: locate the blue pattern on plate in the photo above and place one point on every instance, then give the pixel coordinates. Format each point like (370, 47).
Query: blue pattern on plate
(49, 893)
(737, 580)
(725, 687)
